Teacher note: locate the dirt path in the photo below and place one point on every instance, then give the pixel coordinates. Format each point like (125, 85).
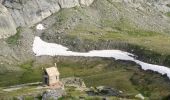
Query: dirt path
(17, 87)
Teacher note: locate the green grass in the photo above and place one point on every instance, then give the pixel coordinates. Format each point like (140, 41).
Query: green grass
(168, 14)
(28, 93)
(106, 28)
(95, 73)
(13, 40)
(30, 72)
(73, 94)
(88, 72)
(9, 78)
(113, 79)
(117, 76)
(98, 75)
(27, 73)
(148, 82)
(154, 41)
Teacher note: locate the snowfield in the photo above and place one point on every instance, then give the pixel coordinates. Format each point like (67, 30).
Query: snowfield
(41, 48)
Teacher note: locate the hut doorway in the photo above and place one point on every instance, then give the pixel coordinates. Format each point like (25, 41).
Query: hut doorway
(46, 80)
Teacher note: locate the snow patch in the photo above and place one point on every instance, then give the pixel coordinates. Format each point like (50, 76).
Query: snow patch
(41, 48)
(40, 27)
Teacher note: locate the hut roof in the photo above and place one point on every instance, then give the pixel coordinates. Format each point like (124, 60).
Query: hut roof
(52, 71)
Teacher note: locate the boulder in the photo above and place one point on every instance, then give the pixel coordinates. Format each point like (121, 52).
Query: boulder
(53, 94)
(68, 3)
(140, 96)
(86, 2)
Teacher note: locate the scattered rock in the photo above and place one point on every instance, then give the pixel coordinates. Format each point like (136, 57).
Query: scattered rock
(103, 91)
(74, 81)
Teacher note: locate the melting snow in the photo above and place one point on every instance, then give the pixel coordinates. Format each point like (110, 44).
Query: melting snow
(41, 48)
(40, 27)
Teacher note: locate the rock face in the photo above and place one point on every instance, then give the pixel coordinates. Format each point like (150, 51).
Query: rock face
(29, 12)
(7, 26)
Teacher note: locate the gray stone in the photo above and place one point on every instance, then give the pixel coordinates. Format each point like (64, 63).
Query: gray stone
(68, 3)
(53, 94)
(74, 81)
(27, 13)
(7, 25)
(86, 2)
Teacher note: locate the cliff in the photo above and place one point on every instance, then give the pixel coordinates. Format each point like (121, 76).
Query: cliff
(17, 13)
(29, 12)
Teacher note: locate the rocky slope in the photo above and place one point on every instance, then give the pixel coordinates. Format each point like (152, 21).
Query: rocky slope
(102, 17)
(28, 12)
(159, 5)
(141, 27)
(7, 25)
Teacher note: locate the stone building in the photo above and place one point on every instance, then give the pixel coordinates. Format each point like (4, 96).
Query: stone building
(51, 77)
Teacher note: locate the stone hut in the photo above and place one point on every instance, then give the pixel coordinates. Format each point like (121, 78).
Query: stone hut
(51, 77)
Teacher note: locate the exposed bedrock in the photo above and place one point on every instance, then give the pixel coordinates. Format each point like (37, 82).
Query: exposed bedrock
(7, 25)
(29, 12)
(15, 13)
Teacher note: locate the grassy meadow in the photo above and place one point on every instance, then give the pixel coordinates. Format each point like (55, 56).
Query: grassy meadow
(124, 76)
